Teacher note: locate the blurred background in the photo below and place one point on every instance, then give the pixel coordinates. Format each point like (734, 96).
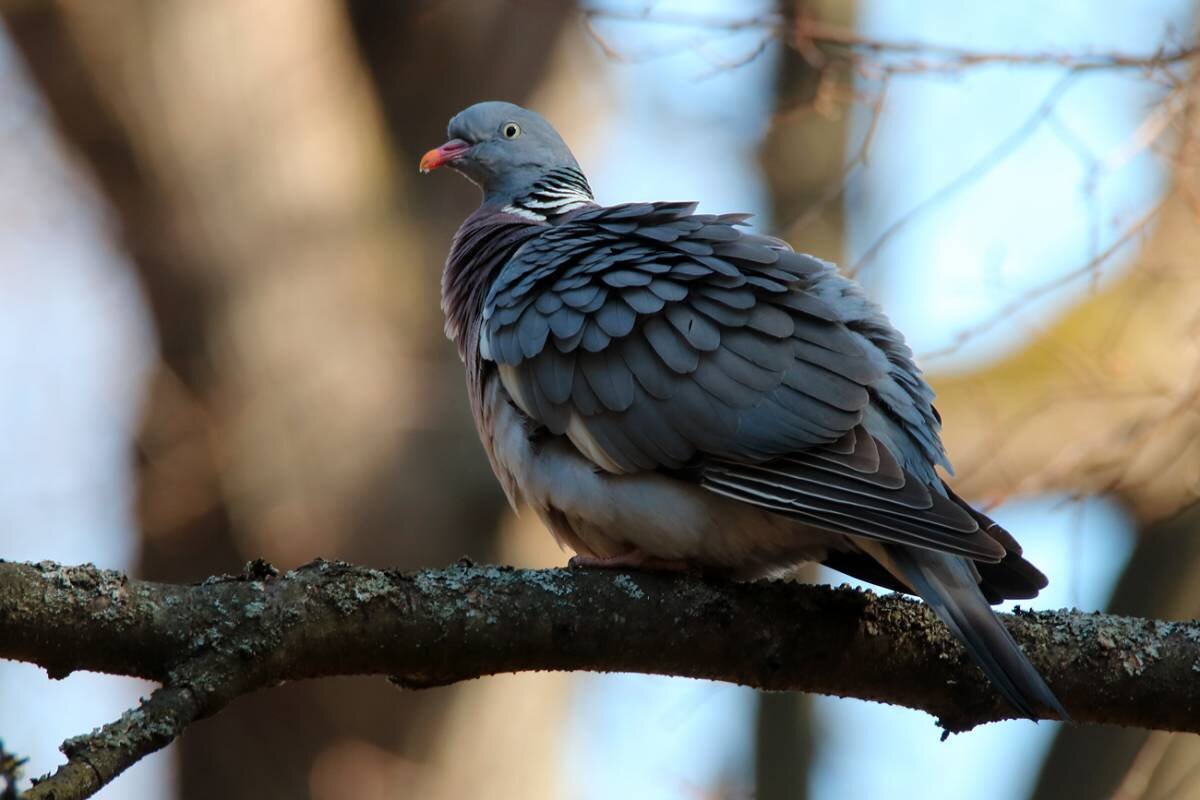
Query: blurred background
(220, 340)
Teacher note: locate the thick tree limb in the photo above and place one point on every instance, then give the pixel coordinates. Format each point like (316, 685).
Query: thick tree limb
(211, 642)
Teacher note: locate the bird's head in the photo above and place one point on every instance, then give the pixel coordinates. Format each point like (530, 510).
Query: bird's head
(502, 148)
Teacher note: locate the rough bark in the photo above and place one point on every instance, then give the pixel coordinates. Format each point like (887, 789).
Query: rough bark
(211, 642)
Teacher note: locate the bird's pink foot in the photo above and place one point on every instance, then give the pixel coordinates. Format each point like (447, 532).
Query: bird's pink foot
(634, 559)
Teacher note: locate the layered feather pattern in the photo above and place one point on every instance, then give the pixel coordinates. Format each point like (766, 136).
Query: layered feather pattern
(657, 338)
(660, 382)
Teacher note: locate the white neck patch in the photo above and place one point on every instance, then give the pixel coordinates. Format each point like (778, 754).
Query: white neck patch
(524, 212)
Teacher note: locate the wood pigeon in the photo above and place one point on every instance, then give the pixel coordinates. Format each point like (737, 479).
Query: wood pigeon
(668, 389)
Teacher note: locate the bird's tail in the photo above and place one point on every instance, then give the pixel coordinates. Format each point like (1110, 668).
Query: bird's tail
(950, 588)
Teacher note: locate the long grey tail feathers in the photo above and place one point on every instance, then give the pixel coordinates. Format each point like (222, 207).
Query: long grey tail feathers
(949, 587)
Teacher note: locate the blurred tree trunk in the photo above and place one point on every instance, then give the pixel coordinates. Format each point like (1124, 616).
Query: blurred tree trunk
(784, 745)
(307, 404)
(1161, 581)
(477, 754)
(802, 160)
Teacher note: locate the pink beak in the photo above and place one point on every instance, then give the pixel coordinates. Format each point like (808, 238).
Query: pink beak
(444, 154)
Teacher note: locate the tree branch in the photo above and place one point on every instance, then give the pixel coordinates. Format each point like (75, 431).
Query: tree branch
(211, 642)
(892, 56)
(94, 759)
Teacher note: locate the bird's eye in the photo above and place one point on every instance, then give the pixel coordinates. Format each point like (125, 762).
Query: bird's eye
(511, 130)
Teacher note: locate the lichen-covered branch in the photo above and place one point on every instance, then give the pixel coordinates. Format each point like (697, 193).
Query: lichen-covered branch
(96, 758)
(210, 642)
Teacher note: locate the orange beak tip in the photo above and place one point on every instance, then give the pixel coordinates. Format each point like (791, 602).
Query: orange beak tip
(442, 155)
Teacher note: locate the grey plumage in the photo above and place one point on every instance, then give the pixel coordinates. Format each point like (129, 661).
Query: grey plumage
(662, 383)
(951, 589)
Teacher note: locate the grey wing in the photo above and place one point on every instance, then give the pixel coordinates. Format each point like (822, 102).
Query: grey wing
(655, 338)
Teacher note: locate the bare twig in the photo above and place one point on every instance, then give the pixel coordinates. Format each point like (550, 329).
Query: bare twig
(805, 32)
(1007, 311)
(977, 170)
(936, 57)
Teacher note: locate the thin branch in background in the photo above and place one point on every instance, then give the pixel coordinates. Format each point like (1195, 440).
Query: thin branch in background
(609, 51)
(695, 43)
(1112, 467)
(1006, 312)
(1134, 436)
(683, 19)
(1156, 123)
(1135, 299)
(869, 56)
(945, 58)
(931, 57)
(1000, 436)
(1006, 430)
(721, 65)
(985, 164)
(1192, 198)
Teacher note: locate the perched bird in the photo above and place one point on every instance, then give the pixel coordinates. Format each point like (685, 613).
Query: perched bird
(667, 389)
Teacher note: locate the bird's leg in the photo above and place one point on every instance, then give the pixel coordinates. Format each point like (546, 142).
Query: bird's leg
(632, 559)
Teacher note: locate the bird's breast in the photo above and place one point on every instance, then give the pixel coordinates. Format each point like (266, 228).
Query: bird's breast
(595, 512)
